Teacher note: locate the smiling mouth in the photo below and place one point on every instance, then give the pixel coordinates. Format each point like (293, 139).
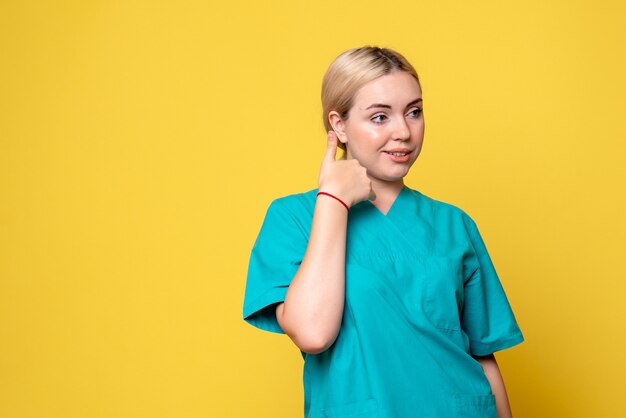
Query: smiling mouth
(397, 154)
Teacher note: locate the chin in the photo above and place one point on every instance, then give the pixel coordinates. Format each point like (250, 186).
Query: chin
(398, 175)
(391, 174)
(393, 178)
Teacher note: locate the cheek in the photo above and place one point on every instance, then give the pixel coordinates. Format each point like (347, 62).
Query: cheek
(418, 132)
(366, 134)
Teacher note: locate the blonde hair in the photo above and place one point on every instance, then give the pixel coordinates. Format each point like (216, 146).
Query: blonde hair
(352, 70)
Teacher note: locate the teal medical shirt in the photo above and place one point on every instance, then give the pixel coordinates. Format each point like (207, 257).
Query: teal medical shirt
(422, 296)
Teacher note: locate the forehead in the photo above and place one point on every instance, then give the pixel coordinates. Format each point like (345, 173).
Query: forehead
(395, 89)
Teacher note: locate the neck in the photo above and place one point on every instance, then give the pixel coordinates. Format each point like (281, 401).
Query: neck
(386, 194)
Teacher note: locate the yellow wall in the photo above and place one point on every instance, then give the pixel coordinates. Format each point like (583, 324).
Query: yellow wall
(141, 142)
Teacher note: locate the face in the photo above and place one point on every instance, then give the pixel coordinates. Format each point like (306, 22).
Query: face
(384, 130)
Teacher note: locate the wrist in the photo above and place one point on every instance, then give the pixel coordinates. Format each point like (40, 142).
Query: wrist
(333, 196)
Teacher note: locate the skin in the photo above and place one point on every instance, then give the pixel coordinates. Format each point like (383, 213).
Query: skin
(386, 117)
(492, 371)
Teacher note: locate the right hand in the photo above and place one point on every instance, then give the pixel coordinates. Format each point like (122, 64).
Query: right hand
(346, 179)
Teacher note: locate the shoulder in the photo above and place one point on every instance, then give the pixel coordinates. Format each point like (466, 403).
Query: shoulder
(291, 210)
(295, 201)
(448, 219)
(296, 205)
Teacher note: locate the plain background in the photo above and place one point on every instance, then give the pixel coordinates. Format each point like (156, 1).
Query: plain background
(142, 141)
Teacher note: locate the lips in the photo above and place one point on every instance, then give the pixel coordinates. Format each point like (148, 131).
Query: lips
(398, 152)
(399, 155)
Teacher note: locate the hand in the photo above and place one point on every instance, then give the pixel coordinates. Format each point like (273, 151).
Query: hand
(346, 179)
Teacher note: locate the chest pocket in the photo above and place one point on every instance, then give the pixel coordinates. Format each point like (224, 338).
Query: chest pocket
(443, 292)
(427, 288)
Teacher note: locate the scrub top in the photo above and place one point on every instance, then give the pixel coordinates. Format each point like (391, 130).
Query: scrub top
(421, 297)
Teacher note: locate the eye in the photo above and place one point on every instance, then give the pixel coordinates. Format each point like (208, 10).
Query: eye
(415, 113)
(380, 118)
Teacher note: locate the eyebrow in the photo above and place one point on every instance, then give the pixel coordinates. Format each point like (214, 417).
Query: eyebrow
(386, 106)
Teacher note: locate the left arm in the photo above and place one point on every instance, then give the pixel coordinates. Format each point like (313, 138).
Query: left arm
(492, 371)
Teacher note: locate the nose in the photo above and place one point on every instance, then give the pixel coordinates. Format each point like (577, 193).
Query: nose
(401, 130)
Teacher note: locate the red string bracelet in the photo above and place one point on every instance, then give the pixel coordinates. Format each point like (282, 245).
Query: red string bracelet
(336, 198)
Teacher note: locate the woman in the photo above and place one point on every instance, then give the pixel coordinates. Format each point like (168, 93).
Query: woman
(390, 295)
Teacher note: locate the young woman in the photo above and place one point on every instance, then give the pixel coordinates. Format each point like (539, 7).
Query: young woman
(390, 295)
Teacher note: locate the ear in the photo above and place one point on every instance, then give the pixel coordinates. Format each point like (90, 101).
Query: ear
(338, 125)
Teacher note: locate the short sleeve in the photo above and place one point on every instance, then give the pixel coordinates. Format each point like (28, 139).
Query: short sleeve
(274, 260)
(487, 317)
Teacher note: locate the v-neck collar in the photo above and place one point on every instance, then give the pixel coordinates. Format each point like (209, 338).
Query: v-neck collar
(393, 208)
(390, 235)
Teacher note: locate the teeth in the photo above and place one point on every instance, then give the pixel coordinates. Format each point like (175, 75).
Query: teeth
(398, 154)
